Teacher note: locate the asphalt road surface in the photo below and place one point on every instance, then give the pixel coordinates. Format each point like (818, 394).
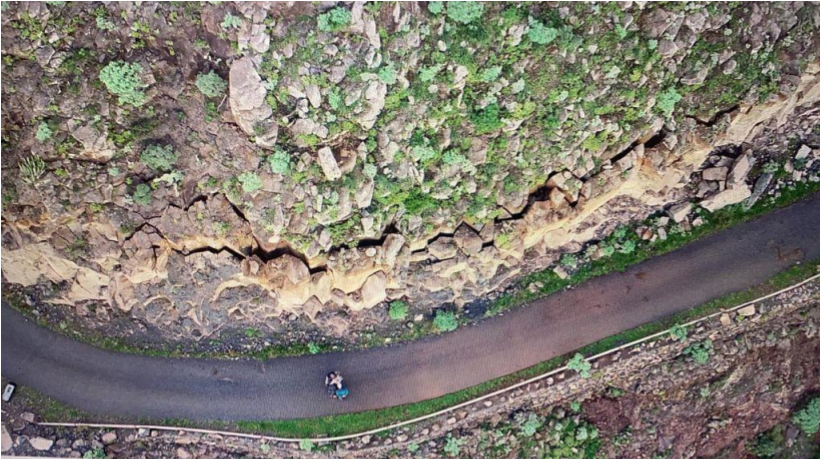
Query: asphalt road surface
(128, 385)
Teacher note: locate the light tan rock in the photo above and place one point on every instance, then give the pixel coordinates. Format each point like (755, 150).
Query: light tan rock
(40, 443)
(6, 443)
(747, 311)
(328, 163)
(679, 212)
(443, 248)
(725, 320)
(726, 197)
(467, 239)
(715, 174)
(740, 169)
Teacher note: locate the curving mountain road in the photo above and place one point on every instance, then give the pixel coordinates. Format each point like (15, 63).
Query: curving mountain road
(129, 385)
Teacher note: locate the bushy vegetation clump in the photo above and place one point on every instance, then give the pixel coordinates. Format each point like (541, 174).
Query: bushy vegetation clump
(124, 80)
(445, 321)
(210, 84)
(465, 12)
(808, 419)
(398, 310)
(334, 20)
(160, 158)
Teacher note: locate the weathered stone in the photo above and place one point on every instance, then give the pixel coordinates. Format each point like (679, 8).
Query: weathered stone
(679, 212)
(747, 311)
(443, 248)
(802, 153)
(6, 443)
(467, 239)
(725, 319)
(328, 163)
(667, 48)
(247, 102)
(740, 169)
(109, 437)
(40, 443)
(726, 197)
(313, 95)
(716, 174)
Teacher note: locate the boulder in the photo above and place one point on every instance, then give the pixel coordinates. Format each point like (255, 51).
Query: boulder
(443, 248)
(468, 240)
(109, 437)
(247, 101)
(313, 95)
(374, 103)
(40, 443)
(747, 311)
(374, 290)
(726, 197)
(328, 163)
(740, 169)
(716, 174)
(679, 212)
(6, 442)
(802, 153)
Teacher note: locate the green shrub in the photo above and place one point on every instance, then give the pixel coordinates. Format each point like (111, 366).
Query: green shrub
(580, 364)
(808, 419)
(628, 247)
(159, 158)
(487, 120)
(250, 182)
(44, 132)
(398, 310)
(231, 22)
(569, 260)
(465, 12)
(423, 153)
(124, 80)
(767, 444)
(334, 20)
(142, 195)
(771, 167)
(314, 348)
(678, 332)
(426, 74)
(435, 7)
(491, 74)
(306, 445)
(529, 424)
(452, 446)
(700, 352)
(279, 162)
(666, 101)
(31, 169)
(211, 84)
(445, 321)
(370, 170)
(96, 453)
(541, 34)
(388, 74)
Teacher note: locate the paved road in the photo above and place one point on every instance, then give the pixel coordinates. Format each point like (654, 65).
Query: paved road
(128, 385)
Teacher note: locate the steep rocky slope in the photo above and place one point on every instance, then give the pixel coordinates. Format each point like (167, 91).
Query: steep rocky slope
(195, 164)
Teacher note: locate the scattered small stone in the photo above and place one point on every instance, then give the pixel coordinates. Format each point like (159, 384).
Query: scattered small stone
(725, 319)
(747, 311)
(5, 440)
(109, 437)
(40, 443)
(803, 153)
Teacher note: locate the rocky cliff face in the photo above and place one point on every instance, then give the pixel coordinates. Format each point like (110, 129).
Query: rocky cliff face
(322, 159)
